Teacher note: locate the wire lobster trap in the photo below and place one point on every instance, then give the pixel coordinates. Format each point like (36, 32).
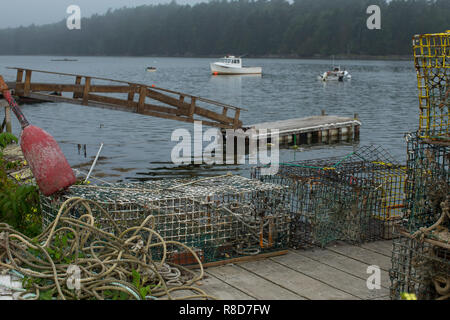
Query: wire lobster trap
(356, 198)
(419, 267)
(219, 218)
(428, 183)
(432, 61)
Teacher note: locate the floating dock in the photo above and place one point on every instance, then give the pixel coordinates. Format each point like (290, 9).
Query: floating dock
(316, 129)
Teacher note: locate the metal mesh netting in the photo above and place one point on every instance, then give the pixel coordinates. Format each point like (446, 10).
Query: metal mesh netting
(220, 217)
(432, 61)
(419, 267)
(355, 198)
(428, 183)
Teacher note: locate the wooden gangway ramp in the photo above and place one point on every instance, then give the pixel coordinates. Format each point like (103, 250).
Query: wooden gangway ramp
(139, 98)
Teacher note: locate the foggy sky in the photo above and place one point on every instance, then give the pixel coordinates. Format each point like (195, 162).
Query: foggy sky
(26, 12)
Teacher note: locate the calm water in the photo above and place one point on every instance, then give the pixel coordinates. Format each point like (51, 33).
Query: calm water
(383, 93)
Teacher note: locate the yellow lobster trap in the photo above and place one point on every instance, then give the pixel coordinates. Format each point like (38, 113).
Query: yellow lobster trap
(432, 62)
(391, 180)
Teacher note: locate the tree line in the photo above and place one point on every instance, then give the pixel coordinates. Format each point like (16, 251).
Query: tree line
(299, 28)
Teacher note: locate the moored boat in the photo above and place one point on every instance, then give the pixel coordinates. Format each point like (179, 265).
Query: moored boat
(232, 65)
(337, 74)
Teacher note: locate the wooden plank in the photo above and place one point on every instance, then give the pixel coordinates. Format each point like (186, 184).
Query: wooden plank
(77, 87)
(244, 259)
(331, 276)
(221, 290)
(381, 247)
(342, 263)
(53, 98)
(251, 284)
(293, 280)
(146, 110)
(363, 255)
(198, 110)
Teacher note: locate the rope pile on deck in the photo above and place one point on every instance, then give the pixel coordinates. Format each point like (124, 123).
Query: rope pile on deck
(112, 265)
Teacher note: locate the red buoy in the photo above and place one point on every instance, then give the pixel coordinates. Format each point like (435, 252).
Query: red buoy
(47, 162)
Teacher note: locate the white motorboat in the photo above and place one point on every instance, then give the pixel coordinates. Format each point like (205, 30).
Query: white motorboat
(232, 65)
(336, 75)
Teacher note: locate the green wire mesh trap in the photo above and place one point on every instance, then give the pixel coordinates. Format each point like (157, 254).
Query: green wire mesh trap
(428, 183)
(432, 61)
(220, 218)
(356, 198)
(419, 267)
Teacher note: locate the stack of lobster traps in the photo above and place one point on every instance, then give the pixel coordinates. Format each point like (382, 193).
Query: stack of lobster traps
(421, 251)
(220, 217)
(356, 198)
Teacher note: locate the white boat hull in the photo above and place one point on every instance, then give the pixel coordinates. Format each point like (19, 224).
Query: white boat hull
(335, 76)
(216, 69)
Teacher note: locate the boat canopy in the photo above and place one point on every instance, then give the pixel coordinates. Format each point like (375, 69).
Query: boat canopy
(231, 60)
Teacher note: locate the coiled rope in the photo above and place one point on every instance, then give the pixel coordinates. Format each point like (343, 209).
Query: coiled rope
(118, 262)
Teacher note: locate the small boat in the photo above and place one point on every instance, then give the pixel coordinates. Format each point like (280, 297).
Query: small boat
(64, 60)
(151, 69)
(336, 75)
(232, 65)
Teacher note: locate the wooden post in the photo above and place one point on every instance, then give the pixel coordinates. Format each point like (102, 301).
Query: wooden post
(87, 88)
(19, 77)
(27, 86)
(131, 95)
(77, 81)
(192, 108)
(224, 111)
(142, 95)
(236, 119)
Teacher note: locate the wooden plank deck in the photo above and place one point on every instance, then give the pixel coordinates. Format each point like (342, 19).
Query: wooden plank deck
(338, 272)
(335, 273)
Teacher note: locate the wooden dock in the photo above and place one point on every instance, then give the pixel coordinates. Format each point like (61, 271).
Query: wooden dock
(316, 129)
(336, 273)
(168, 104)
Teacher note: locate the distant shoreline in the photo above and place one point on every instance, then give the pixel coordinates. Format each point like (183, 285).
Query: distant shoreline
(268, 56)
